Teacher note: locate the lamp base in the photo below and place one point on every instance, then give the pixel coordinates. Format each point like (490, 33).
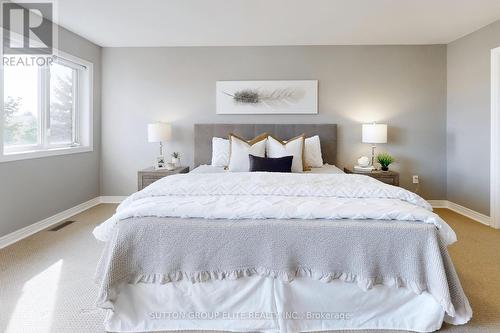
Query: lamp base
(373, 156)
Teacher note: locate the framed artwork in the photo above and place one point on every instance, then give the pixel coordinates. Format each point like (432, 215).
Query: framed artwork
(267, 97)
(160, 162)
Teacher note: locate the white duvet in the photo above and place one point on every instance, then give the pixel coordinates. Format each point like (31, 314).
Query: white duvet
(260, 195)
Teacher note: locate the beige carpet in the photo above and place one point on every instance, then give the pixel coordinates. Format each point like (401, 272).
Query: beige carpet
(46, 280)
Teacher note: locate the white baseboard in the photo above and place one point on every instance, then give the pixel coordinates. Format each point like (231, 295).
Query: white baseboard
(484, 219)
(438, 203)
(59, 217)
(467, 212)
(111, 199)
(54, 219)
(46, 223)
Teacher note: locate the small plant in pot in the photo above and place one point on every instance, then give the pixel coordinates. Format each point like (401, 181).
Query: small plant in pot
(384, 160)
(176, 158)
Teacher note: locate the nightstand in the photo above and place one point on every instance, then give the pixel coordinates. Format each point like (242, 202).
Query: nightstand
(388, 177)
(150, 175)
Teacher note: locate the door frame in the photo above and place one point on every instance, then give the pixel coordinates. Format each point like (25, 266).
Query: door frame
(495, 139)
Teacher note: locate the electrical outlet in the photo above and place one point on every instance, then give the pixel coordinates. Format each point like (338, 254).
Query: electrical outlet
(415, 179)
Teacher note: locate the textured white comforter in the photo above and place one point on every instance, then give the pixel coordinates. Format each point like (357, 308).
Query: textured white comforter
(275, 196)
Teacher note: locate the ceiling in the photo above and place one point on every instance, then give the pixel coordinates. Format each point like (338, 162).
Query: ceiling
(274, 22)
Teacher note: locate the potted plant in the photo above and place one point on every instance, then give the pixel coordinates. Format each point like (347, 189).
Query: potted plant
(176, 158)
(385, 160)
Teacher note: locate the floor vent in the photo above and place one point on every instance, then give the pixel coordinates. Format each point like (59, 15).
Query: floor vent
(62, 225)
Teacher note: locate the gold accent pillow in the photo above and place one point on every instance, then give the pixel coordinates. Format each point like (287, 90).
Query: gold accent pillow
(293, 147)
(239, 149)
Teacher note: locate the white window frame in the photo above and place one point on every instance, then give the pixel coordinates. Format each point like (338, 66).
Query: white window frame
(83, 123)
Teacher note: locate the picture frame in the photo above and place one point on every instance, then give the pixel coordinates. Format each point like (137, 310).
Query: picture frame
(267, 97)
(160, 163)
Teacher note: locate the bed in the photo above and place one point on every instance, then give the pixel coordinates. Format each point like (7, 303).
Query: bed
(316, 251)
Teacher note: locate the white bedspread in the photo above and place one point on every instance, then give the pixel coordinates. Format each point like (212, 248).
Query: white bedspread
(275, 196)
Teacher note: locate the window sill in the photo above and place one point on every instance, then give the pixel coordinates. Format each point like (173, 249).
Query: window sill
(25, 155)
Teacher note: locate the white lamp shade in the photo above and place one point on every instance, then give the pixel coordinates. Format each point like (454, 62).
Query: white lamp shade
(374, 133)
(159, 132)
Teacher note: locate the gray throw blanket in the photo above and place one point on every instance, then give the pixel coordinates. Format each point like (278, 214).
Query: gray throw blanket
(399, 254)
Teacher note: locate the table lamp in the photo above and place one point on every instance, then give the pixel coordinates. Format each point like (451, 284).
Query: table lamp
(374, 133)
(159, 132)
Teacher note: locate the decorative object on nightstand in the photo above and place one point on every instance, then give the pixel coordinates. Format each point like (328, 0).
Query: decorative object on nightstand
(363, 161)
(374, 133)
(159, 132)
(388, 177)
(363, 165)
(176, 158)
(169, 166)
(385, 160)
(150, 175)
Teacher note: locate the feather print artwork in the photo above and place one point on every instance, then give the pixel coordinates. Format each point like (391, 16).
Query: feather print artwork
(267, 97)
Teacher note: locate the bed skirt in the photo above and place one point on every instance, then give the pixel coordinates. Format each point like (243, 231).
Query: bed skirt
(263, 304)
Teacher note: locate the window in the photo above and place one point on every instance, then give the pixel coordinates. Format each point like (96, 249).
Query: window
(47, 110)
(62, 114)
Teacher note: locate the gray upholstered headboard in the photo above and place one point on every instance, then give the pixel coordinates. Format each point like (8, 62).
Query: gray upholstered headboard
(203, 134)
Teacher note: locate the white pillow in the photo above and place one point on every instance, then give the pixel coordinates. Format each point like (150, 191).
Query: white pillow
(240, 149)
(293, 147)
(220, 152)
(312, 152)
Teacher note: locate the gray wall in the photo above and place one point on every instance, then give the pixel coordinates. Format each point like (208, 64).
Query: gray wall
(31, 190)
(404, 86)
(468, 118)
